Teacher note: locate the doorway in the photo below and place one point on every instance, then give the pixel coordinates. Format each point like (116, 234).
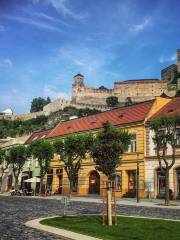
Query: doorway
(94, 183)
(132, 182)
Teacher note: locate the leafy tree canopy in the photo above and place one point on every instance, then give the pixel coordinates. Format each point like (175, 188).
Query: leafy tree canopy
(38, 104)
(164, 137)
(72, 151)
(103, 88)
(112, 101)
(13, 128)
(43, 151)
(108, 147)
(178, 93)
(17, 157)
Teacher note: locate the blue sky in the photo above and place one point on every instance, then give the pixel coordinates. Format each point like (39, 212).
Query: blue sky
(43, 43)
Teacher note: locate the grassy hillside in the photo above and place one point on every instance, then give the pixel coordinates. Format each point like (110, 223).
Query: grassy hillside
(13, 128)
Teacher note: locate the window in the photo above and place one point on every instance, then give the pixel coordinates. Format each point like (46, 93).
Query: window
(178, 137)
(132, 147)
(117, 181)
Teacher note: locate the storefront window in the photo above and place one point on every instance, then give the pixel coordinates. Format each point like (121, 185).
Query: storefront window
(178, 181)
(178, 137)
(117, 181)
(161, 182)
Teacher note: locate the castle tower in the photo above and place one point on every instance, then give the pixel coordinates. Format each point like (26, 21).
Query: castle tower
(78, 83)
(78, 80)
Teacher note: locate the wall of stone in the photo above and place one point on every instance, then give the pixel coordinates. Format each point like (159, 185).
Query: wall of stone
(138, 91)
(56, 105)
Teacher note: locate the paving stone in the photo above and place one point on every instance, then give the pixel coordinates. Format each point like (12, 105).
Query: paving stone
(15, 211)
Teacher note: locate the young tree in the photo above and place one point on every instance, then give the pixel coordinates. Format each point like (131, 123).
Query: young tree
(17, 157)
(112, 101)
(43, 151)
(165, 137)
(72, 151)
(4, 161)
(107, 150)
(108, 147)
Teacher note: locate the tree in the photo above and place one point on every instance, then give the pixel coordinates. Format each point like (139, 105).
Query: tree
(103, 88)
(43, 151)
(178, 93)
(164, 137)
(72, 150)
(4, 161)
(38, 104)
(112, 101)
(17, 157)
(108, 147)
(107, 150)
(48, 100)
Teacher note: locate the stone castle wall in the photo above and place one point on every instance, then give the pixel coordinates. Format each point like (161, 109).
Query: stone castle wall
(137, 90)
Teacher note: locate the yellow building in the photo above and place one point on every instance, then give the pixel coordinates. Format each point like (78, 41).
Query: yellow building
(90, 181)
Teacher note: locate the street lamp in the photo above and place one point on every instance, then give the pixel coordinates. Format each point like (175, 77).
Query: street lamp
(137, 179)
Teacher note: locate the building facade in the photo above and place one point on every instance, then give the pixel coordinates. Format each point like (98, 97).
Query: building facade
(155, 179)
(90, 181)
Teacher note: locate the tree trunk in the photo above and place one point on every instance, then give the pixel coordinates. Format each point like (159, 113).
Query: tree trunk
(109, 208)
(41, 185)
(16, 182)
(167, 187)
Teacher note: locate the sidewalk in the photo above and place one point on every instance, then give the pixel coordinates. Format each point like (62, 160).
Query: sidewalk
(159, 203)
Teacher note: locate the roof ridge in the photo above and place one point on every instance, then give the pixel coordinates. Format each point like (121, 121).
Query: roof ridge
(113, 115)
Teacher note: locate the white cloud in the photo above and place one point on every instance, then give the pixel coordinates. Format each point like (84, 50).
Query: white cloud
(140, 27)
(53, 93)
(61, 6)
(36, 23)
(87, 60)
(170, 58)
(6, 63)
(49, 18)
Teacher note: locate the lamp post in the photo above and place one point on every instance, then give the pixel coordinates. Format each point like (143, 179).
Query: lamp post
(137, 179)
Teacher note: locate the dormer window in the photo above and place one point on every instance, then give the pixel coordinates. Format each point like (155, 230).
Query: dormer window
(121, 115)
(93, 121)
(170, 110)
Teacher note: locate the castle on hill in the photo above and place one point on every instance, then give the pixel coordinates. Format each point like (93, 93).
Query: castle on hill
(138, 90)
(135, 91)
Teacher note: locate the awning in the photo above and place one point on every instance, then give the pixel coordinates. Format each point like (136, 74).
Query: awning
(33, 180)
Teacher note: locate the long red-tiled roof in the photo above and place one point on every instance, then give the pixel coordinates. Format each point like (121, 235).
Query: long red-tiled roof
(38, 135)
(118, 116)
(172, 108)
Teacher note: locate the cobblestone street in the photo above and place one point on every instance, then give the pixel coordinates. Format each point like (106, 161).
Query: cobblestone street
(15, 211)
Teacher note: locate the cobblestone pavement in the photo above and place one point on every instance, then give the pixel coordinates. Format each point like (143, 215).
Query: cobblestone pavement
(15, 211)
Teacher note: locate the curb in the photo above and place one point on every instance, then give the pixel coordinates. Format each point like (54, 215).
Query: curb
(61, 232)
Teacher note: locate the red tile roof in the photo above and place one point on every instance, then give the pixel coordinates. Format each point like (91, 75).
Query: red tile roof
(38, 135)
(172, 108)
(118, 116)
